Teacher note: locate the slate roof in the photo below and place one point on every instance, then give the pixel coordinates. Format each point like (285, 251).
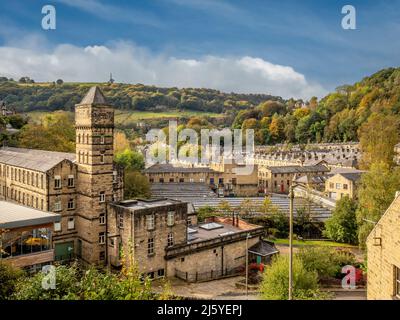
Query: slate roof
(181, 191)
(298, 169)
(38, 160)
(16, 216)
(94, 97)
(169, 168)
(352, 176)
(263, 248)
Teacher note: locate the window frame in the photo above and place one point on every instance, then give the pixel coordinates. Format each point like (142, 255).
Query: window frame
(150, 222)
(150, 246)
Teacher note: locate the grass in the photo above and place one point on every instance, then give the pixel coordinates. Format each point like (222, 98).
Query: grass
(320, 243)
(129, 117)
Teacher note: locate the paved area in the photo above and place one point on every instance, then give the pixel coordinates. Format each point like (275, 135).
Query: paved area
(223, 289)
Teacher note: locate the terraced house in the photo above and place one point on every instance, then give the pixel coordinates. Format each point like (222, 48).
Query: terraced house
(77, 186)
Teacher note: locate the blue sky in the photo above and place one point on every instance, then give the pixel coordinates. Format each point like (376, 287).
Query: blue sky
(286, 47)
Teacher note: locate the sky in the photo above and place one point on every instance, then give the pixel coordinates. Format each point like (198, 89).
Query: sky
(290, 48)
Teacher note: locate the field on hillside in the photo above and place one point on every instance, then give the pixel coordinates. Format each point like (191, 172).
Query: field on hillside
(130, 117)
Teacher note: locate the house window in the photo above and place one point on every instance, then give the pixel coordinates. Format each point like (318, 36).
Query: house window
(397, 270)
(161, 273)
(57, 206)
(202, 180)
(102, 255)
(150, 222)
(171, 179)
(102, 197)
(150, 246)
(181, 180)
(170, 239)
(102, 238)
(112, 242)
(71, 204)
(71, 182)
(57, 182)
(161, 180)
(171, 218)
(71, 223)
(221, 180)
(345, 186)
(331, 185)
(102, 218)
(234, 181)
(57, 226)
(121, 220)
(151, 180)
(338, 186)
(211, 180)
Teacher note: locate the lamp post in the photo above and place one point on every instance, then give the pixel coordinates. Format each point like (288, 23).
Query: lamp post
(291, 198)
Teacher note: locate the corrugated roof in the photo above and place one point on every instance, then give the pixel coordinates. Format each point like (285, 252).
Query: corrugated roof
(16, 216)
(38, 160)
(169, 168)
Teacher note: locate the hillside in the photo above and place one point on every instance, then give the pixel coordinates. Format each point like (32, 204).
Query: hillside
(25, 97)
(337, 117)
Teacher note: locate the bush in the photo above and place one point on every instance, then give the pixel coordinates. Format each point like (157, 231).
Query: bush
(8, 279)
(275, 282)
(327, 262)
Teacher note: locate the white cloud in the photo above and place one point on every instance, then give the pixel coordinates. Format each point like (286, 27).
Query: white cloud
(133, 64)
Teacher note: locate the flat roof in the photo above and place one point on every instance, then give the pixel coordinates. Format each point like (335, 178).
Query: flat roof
(16, 216)
(225, 227)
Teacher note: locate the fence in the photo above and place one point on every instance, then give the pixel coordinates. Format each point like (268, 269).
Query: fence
(209, 275)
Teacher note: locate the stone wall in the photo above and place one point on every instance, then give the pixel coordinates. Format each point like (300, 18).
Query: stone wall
(383, 249)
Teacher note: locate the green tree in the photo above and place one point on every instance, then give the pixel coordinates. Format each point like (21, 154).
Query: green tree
(275, 282)
(130, 160)
(375, 194)
(342, 226)
(136, 185)
(206, 212)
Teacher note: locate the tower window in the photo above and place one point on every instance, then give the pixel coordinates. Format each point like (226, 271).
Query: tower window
(102, 219)
(102, 157)
(102, 139)
(71, 224)
(102, 197)
(102, 238)
(57, 206)
(71, 204)
(170, 239)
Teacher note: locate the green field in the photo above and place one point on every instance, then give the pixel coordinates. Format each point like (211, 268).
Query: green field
(319, 243)
(129, 117)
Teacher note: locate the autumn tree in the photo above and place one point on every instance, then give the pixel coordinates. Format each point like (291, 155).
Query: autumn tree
(376, 192)
(56, 132)
(378, 136)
